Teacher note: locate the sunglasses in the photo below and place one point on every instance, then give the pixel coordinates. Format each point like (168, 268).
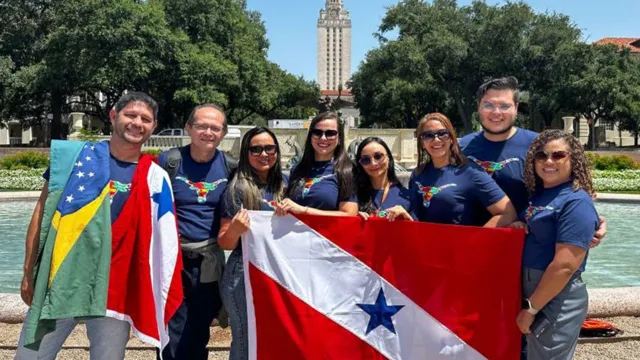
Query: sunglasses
(329, 134)
(442, 134)
(555, 156)
(257, 150)
(366, 159)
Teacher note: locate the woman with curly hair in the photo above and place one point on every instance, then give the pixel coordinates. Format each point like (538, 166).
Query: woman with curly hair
(560, 222)
(446, 188)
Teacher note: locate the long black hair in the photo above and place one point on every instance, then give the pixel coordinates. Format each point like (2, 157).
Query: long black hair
(343, 167)
(243, 189)
(364, 185)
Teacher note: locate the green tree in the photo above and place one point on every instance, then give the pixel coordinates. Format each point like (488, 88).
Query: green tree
(600, 91)
(444, 51)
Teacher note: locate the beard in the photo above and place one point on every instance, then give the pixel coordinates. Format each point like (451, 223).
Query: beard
(508, 128)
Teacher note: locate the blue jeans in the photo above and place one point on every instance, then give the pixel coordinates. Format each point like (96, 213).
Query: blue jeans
(108, 339)
(234, 299)
(189, 327)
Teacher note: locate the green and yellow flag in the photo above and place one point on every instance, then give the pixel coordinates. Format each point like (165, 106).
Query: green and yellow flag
(72, 272)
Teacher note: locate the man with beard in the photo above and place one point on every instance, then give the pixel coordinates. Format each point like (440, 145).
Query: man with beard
(133, 118)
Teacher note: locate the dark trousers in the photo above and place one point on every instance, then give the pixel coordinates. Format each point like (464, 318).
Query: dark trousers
(189, 327)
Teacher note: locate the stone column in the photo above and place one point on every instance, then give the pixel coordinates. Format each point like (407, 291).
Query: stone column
(27, 135)
(75, 118)
(408, 148)
(568, 124)
(4, 136)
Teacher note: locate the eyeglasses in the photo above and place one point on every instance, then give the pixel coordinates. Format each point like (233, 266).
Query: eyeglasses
(442, 134)
(203, 127)
(366, 160)
(493, 107)
(329, 134)
(258, 149)
(555, 156)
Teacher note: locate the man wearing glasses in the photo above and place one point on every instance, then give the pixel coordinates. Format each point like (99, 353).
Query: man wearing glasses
(199, 174)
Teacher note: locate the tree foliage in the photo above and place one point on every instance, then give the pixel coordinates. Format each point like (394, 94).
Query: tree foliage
(57, 56)
(444, 51)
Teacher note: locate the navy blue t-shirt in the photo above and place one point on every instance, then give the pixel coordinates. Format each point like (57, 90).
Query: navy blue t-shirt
(320, 189)
(397, 195)
(557, 215)
(450, 195)
(197, 189)
(229, 209)
(119, 186)
(504, 161)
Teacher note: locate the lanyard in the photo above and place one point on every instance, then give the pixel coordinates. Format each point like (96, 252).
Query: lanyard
(381, 213)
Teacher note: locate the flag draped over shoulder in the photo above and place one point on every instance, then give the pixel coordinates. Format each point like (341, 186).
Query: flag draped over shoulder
(87, 267)
(343, 288)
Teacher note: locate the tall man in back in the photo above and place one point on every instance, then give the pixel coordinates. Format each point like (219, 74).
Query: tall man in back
(501, 148)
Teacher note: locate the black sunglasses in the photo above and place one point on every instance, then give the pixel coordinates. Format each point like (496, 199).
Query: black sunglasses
(329, 134)
(257, 150)
(555, 156)
(366, 159)
(442, 134)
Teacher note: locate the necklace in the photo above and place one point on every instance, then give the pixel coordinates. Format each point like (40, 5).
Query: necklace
(380, 212)
(322, 166)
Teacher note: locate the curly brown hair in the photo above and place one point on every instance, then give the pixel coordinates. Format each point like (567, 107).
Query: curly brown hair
(580, 172)
(456, 158)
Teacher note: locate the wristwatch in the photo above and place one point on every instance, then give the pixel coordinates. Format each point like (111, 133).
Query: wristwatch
(526, 305)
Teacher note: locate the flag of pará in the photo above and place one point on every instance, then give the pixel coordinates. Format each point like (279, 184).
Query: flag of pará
(88, 267)
(344, 288)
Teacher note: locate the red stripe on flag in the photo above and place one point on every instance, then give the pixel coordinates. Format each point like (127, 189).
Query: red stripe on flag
(130, 290)
(288, 328)
(467, 278)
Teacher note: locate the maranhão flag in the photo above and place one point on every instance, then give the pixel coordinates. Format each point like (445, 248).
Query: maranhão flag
(344, 288)
(88, 267)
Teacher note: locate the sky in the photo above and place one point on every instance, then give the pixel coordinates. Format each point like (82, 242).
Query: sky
(291, 25)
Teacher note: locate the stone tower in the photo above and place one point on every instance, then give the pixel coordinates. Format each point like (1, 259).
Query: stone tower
(334, 46)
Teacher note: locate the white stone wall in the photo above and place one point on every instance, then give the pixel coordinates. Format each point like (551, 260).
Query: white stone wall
(322, 58)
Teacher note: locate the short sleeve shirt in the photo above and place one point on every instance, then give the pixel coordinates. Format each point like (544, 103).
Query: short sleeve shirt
(320, 190)
(504, 161)
(121, 175)
(197, 189)
(557, 215)
(450, 195)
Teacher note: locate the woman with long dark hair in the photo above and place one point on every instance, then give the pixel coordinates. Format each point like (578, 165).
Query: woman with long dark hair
(561, 219)
(447, 189)
(258, 184)
(322, 183)
(380, 193)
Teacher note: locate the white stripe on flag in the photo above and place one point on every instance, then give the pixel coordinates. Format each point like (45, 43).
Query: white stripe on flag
(332, 281)
(163, 252)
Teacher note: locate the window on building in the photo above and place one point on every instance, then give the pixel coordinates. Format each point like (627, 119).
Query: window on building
(608, 125)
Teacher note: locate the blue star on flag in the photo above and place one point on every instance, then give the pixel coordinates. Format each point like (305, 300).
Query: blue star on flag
(380, 313)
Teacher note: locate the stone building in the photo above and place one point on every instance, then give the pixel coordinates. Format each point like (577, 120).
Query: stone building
(334, 46)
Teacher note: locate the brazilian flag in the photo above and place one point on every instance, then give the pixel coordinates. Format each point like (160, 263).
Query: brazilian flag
(72, 272)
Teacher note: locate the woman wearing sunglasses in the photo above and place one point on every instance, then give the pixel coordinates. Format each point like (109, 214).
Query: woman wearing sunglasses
(447, 189)
(322, 183)
(258, 184)
(561, 219)
(380, 193)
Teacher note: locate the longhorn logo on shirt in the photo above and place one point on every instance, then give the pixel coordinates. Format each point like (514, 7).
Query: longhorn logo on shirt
(534, 210)
(491, 167)
(429, 191)
(202, 188)
(309, 182)
(116, 187)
